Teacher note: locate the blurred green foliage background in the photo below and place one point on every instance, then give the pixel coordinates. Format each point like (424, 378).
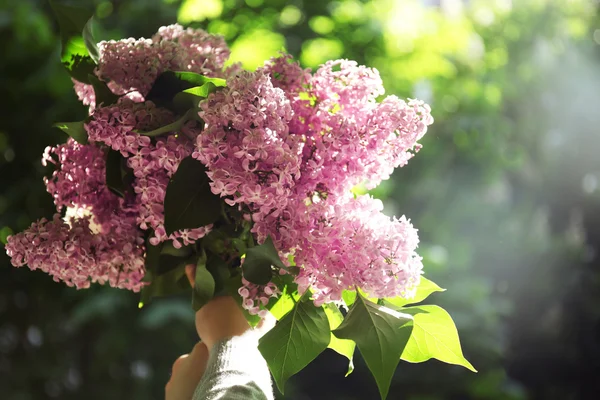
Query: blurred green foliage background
(505, 192)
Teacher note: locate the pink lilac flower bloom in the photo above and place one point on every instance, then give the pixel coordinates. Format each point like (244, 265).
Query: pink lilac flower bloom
(115, 125)
(252, 158)
(85, 94)
(100, 242)
(335, 136)
(134, 64)
(72, 253)
(351, 244)
(287, 74)
(283, 145)
(153, 163)
(256, 297)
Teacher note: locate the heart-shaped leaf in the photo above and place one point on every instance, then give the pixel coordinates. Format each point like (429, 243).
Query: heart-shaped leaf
(74, 129)
(258, 261)
(287, 299)
(434, 336)
(380, 334)
(119, 177)
(170, 283)
(189, 202)
(295, 341)
(90, 42)
(202, 91)
(231, 287)
(204, 285)
(349, 297)
(170, 83)
(173, 126)
(75, 55)
(425, 288)
(342, 346)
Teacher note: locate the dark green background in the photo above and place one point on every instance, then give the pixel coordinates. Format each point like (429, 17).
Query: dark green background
(505, 193)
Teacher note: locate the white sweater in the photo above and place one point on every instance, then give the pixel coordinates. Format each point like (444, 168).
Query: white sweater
(236, 371)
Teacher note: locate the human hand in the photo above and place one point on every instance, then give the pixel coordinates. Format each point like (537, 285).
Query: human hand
(186, 373)
(218, 320)
(221, 318)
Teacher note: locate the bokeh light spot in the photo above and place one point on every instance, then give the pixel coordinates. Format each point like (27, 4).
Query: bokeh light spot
(317, 51)
(290, 16)
(321, 24)
(199, 10)
(246, 51)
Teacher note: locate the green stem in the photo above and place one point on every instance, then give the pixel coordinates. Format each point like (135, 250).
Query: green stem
(174, 126)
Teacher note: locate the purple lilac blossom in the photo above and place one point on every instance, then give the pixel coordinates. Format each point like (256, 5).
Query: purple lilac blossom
(153, 163)
(99, 243)
(256, 297)
(282, 144)
(294, 170)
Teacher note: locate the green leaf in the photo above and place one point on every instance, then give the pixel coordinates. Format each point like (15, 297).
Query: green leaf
(182, 252)
(221, 272)
(288, 297)
(74, 129)
(349, 297)
(71, 20)
(380, 334)
(258, 262)
(173, 126)
(342, 346)
(171, 257)
(215, 241)
(170, 83)
(80, 68)
(202, 91)
(195, 79)
(103, 95)
(162, 283)
(74, 54)
(114, 180)
(425, 288)
(190, 98)
(434, 336)
(295, 341)
(172, 282)
(119, 176)
(89, 40)
(204, 285)
(151, 258)
(239, 245)
(189, 202)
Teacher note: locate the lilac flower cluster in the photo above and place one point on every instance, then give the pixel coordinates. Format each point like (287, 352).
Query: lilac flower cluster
(132, 65)
(256, 297)
(284, 145)
(97, 241)
(289, 146)
(101, 237)
(152, 162)
(252, 158)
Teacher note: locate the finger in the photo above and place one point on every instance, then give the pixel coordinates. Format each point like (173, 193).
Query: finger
(187, 372)
(190, 272)
(197, 361)
(177, 364)
(199, 354)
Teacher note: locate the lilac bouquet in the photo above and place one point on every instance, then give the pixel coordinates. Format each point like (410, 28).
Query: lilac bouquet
(248, 175)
